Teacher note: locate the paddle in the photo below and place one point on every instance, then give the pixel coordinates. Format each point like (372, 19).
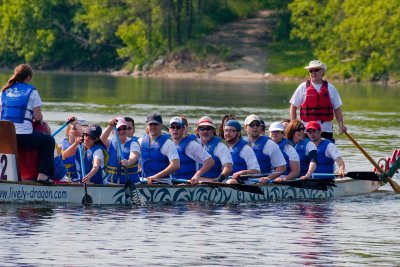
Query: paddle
(87, 199)
(63, 126)
(384, 176)
(368, 176)
(131, 192)
(240, 187)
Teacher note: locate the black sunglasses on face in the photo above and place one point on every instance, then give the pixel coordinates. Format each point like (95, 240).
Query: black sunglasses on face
(202, 129)
(300, 129)
(252, 125)
(314, 70)
(176, 127)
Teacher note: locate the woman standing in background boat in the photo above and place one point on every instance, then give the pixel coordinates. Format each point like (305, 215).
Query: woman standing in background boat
(21, 104)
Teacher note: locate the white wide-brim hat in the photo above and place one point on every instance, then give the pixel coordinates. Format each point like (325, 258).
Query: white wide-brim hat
(316, 64)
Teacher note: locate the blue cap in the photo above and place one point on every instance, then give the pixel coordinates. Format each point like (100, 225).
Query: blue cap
(234, 123)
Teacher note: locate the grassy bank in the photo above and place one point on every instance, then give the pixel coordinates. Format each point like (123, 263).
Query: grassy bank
(288, 58)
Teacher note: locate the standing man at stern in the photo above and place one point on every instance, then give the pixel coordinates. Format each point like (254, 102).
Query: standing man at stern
(318, 101)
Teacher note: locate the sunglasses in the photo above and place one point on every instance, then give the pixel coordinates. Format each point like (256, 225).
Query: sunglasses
(252, 125)
(300, 129)
(314, 70)
(202, 129)
(124, 129)
(175, 127)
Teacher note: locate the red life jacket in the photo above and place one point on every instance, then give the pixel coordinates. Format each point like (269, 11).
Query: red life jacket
(316, 106)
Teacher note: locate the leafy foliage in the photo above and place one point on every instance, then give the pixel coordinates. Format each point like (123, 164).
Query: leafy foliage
(357, 38)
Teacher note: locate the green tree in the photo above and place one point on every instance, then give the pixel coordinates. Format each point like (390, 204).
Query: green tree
(358, 38)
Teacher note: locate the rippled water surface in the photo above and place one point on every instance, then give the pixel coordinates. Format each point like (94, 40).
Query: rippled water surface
(351, 231)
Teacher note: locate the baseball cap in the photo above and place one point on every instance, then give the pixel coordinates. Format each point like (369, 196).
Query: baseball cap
(154, 118)
(276, 126)
(177, 120)
(249, 119)
(94, 131)
(234, 124)
(121, 122)
(206, 121)
(313, 125)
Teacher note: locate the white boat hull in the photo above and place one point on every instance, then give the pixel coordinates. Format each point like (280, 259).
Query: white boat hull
(111, 195)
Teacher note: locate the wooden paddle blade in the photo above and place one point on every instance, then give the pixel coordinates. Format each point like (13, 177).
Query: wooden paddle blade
(369, 176)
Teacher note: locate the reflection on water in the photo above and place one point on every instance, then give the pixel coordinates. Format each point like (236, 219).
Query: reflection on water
(339, 232)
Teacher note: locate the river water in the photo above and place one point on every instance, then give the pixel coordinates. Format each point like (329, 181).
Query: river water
(351, 231)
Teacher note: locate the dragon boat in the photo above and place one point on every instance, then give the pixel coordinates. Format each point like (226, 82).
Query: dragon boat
(13, 188)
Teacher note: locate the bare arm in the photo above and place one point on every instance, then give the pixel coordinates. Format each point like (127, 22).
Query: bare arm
(37, 114)
(208, 164)
(133, 158)
(311, 169)
(339, 118)
(71, 150)
(294, 170)
(171, 168)
(293, 112)
(342, 167)
(93, 171)
(277, 172)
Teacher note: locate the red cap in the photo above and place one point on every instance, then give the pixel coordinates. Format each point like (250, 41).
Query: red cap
(313, 125)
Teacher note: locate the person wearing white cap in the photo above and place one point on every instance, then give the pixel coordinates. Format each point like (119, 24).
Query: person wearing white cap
(159, 154)
(318, 100)
(268, 154)
(117, 163)
(191, 153)
(276, 133)
(244, 159)
(216, 147)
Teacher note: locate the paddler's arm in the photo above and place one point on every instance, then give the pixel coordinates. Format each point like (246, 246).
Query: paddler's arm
(93, 171)
(37, 114)
(342, 167)
(171, 168)
(71, 150)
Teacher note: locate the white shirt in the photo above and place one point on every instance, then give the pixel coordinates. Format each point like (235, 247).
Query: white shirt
(309, 147)
(223, 153)
(331, 151)
(291, 152)
(272, 150)
(299, 96)
(98, 154)
(196, 152)
(33, 102)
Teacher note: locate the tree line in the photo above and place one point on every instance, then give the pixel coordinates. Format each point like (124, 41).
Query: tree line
(103, 34)
(357, 38)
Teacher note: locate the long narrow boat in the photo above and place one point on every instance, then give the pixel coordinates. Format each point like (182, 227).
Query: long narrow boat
(12, 189)
(24, 191)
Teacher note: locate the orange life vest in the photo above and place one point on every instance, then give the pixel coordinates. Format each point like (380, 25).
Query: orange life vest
(316, 106)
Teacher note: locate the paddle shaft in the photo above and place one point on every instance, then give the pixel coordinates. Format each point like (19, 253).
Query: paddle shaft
(62, 127)
(392, 183)
(376, 165)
